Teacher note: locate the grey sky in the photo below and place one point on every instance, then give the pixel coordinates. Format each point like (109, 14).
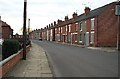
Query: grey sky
(44, 12)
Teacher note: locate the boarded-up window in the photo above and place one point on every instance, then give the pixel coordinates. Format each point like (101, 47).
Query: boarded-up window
(92, 24)
(80, 36)
(69, 28)
(80, 26)
(92, 37)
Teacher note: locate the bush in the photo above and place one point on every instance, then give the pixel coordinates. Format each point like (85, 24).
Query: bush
(9, 48)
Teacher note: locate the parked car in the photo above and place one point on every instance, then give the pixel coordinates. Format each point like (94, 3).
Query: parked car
(40, 39)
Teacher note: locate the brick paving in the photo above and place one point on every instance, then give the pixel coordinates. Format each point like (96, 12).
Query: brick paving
(36, 65)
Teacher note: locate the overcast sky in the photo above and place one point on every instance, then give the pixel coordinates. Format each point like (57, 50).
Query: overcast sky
(43, 12)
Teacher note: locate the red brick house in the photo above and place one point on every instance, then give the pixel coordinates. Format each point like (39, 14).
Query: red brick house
(47, 31)
(100, 26)
(65, 30)
(36, 34)
(6, 32)
(57, 28)
(69, 30)
(44, 33)
(31, 35)
(52, 32)
(96, 27)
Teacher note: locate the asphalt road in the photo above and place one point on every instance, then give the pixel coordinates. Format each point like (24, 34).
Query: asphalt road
(73, 61)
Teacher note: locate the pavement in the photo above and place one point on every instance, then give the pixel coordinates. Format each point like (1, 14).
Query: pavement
(36, 65)
(105, 49)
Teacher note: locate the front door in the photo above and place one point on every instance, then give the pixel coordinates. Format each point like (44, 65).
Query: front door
(87, 38)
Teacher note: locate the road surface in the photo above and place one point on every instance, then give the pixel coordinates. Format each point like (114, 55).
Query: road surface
(73, 61)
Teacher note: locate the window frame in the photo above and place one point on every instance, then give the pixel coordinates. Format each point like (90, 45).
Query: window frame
(80, 26)
(92, 38)
(92, 23)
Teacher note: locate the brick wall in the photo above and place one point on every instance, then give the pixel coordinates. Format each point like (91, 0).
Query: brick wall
(107, 27)
(6, 32)
(10, 63)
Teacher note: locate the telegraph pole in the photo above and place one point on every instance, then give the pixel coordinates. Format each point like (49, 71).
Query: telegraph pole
(24, 29)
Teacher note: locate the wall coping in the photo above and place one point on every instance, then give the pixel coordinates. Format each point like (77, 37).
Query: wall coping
(10, 57)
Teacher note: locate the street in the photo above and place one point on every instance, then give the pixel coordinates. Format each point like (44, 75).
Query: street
(73, 61)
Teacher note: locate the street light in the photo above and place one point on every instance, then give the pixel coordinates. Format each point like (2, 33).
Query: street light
(28, 26)
(24, 29)
(117, 12)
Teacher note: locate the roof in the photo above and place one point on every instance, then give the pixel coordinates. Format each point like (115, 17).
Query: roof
(93, 13)
(68, 22)
(4, 23)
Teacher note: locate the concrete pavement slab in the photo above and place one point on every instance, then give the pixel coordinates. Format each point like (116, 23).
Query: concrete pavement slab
(36, 65)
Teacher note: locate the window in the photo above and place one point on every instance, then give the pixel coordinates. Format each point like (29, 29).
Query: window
(69, 38)
(80, 26)
(92, 24)
(59, 29)
(80, 37)
(55, 30)
(66, 28)
(69, 28)
(92, 37)
(51, 32)
(76, 27)
(75, 37)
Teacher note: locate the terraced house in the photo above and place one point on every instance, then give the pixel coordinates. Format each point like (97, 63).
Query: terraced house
(58, 30)
(50, 32)
(96, 27)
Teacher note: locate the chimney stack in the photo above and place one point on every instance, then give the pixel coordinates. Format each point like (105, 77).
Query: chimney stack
(87, 10)
(66, 18)
(59, 21)
(75, 15)
(47, 26)
(51, 24)
(54, 23)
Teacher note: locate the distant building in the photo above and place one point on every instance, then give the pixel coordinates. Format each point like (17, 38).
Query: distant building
(5, 30)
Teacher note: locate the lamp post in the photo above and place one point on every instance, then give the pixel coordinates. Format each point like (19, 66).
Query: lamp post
(28, 28)
(117, 12)
(24, 29)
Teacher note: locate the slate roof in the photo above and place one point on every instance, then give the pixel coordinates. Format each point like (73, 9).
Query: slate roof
(93, 13)
(81, 17)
